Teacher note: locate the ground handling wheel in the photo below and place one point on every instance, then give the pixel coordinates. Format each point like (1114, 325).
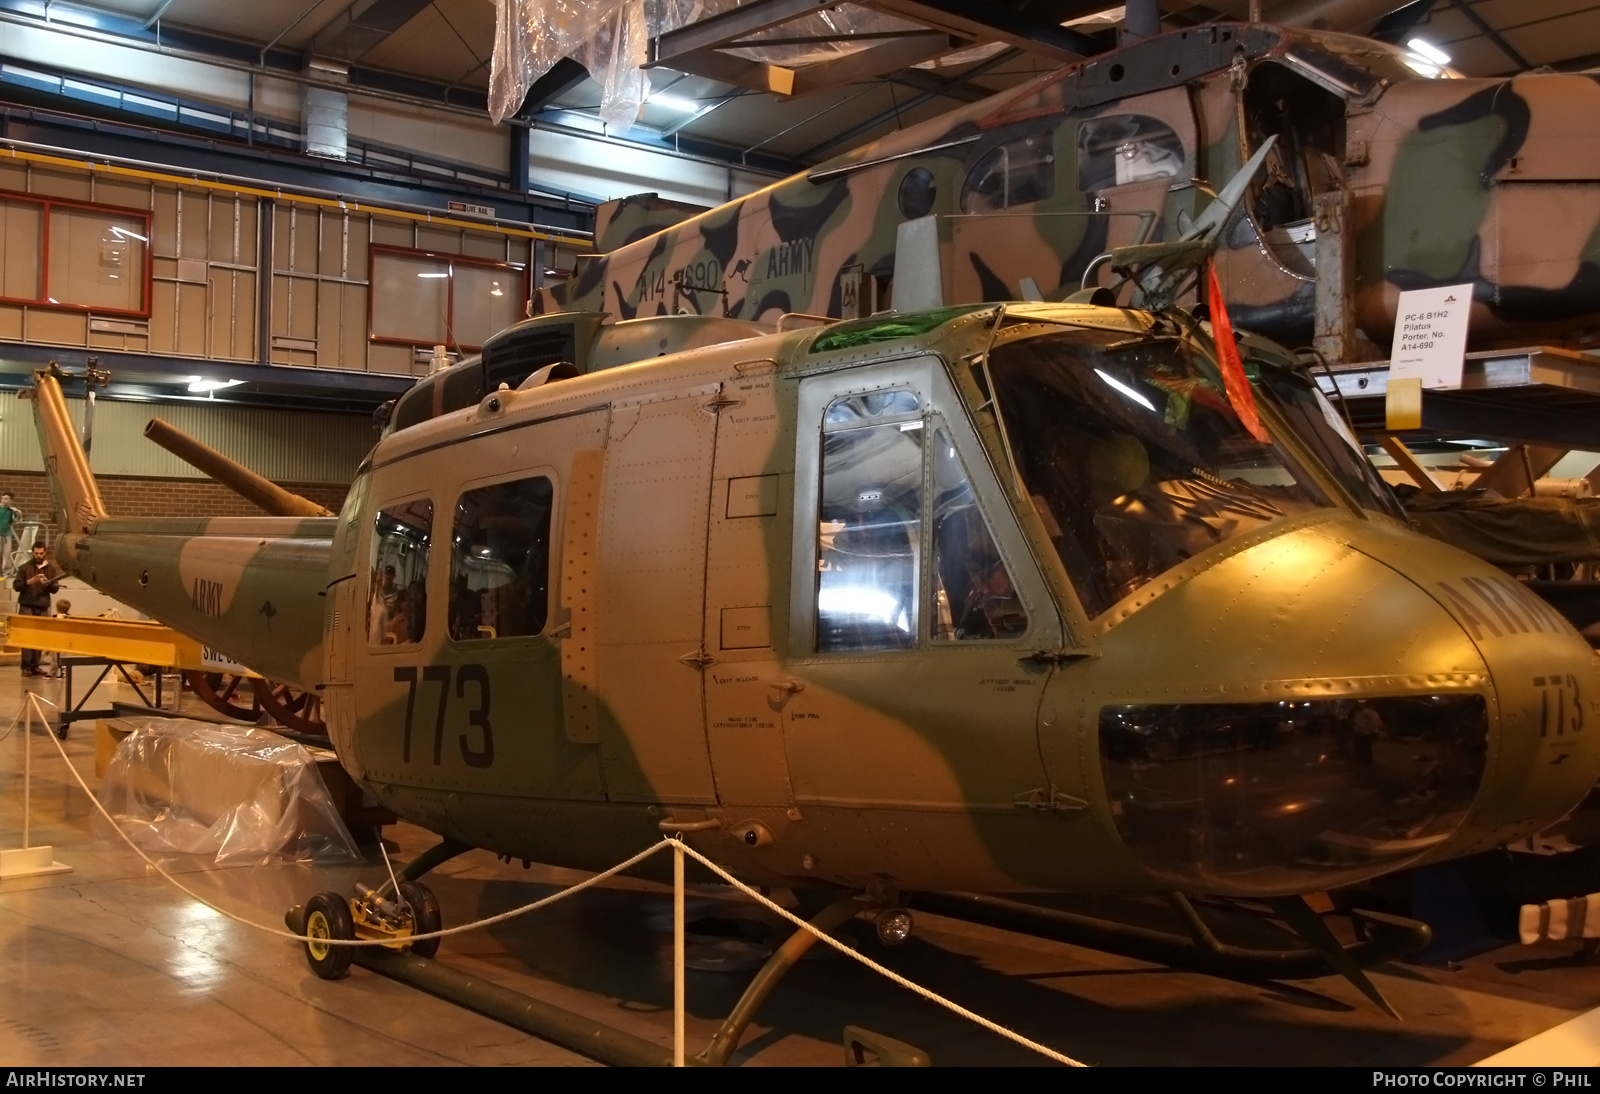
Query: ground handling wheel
(425, 916)
(328, 917)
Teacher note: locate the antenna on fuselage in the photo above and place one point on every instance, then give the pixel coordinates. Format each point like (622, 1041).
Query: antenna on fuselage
(918, 275)
(1161, 271)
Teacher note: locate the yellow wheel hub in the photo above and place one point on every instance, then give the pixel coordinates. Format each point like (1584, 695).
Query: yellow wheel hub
(317, 928)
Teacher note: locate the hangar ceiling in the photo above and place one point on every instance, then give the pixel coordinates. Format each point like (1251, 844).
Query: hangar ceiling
(442, 49)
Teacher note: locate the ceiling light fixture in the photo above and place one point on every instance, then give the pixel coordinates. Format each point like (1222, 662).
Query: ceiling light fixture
(1428, 50)
(201, 387)
(672, 102)
(130, 235)
(433, 275)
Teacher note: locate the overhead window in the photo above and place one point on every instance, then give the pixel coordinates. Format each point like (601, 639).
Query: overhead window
(74, 255)
(1121, 148)
(869, 525)
(397, 595)
(431, 300)
(1016, 173)
(500, 561)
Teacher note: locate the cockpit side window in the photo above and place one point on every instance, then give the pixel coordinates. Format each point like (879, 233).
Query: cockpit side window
(500, 561)
(1117, 149)
(397, 590)
(1018, 172)
(973, 594)
(869, 522)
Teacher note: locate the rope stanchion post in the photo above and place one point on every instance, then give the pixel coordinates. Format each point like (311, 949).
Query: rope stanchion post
(28, 860)
(677, 953)
(27, 774)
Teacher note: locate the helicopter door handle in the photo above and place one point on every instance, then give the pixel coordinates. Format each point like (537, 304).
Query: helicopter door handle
(669, 825)
(1053, 657)
(788, 687)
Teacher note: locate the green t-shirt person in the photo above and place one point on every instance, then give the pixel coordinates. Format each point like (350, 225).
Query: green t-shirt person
(8, 516)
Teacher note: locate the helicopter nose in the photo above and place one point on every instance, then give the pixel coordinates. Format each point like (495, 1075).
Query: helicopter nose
(1330, 712)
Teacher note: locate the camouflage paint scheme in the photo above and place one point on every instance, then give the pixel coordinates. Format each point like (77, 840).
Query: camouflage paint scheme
(1490, 181)
(235, 584)
(676, 682)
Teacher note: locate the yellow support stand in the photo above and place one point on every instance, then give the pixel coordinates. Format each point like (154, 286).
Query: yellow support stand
(124, 640)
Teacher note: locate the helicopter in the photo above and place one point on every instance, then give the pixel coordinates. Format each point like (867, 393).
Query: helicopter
(982, 599)
(926, 608)
(1387, 176)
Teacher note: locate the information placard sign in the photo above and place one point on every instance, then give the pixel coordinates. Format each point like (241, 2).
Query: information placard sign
(1430, 335)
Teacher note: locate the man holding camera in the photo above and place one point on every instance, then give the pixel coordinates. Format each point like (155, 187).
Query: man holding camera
(36, 582)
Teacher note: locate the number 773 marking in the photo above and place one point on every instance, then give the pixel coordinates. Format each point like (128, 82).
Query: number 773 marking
(478, 717)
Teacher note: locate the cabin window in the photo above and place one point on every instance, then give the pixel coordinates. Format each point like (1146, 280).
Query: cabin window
(918, 191)
(973, 594)
(869, 524)
(397, 596)
(1122, 148)
(500, 561)
(1016, 173)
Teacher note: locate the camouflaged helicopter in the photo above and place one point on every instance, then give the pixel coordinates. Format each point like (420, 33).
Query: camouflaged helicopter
(912, 610)
(1434, 181)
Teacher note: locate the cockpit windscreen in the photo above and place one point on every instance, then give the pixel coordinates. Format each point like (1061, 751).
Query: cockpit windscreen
(1133, 456)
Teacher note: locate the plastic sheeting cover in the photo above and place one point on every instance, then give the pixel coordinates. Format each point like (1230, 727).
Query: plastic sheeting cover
(611, 39)
(236, 792)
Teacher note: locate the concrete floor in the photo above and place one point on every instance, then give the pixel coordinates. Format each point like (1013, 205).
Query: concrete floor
(109, 965)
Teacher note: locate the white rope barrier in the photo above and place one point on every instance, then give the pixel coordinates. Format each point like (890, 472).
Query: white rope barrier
(677, 845)
(279, 932)
(931, 996)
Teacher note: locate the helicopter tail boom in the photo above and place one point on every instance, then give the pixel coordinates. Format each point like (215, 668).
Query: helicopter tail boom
(248, 588)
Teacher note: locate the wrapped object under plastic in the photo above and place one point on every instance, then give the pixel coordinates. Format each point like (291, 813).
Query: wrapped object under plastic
(611, 39)
(1508, 532)
(239, 793)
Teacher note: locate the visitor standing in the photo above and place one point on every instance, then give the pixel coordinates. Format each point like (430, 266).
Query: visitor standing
(10, 519)
(36, 582)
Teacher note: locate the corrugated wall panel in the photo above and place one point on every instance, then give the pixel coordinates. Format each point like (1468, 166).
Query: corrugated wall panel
(283, 445)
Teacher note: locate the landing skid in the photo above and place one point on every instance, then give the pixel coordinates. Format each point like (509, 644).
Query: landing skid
(1386, 937)
(412, 964)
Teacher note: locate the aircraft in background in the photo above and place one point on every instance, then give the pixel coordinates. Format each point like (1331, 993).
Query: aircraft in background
(1424, 181)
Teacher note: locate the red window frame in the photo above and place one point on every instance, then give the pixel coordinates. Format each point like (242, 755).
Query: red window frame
(452, 260)
(48, 203)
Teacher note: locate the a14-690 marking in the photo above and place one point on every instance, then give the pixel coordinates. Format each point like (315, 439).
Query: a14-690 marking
(478, 717)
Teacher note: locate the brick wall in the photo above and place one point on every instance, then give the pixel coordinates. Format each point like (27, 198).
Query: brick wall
(129, 497)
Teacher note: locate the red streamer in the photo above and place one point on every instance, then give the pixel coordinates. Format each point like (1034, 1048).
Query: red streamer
(1240, 395)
